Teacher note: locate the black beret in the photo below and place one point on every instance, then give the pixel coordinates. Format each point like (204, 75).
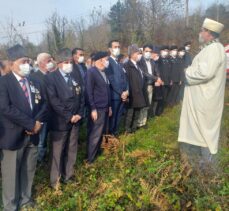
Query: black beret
(181, 49)
(16, 52)
(164, 47)
(155, 49)
(63, 54)
(100, 55)
(173, 47)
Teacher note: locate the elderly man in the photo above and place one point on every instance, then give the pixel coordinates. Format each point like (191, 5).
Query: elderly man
(138, 96)
(22, 111)
(67, 102)
(45, 65)
(204, 97)
(99, 104)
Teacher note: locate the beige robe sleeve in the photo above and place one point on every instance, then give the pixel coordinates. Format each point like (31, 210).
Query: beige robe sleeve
(203, 70)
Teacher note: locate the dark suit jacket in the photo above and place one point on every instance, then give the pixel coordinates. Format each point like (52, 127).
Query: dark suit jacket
(117, 78)
(63, 101)
(97, 90)
(164, 68)
(40, 77)
(187, 59)
(155, 74)
(175, 75)
(137, 97)
(16, 115)
(77, 73)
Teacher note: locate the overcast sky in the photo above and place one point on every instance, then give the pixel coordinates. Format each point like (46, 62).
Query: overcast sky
(35, 12)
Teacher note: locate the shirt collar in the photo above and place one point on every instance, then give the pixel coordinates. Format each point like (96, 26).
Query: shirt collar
(62, 73)
(135, 63)
(115, 59)
(17, 76)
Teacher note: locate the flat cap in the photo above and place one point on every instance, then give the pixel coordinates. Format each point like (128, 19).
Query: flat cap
(63, 54)
(16, 52)
(99, 55)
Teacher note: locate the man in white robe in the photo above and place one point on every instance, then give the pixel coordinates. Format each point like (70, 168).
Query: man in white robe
(204, 97)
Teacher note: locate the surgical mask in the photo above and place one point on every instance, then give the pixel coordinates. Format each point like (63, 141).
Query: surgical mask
(49, 66)
(106, 64)
(181, 53)
(81, 59)
(164, 53)
(187, 48)
(25, 69)
(116, 52)
(201, 39)
(147, 55)
(139, 57)
(67, 68)
(174, 53)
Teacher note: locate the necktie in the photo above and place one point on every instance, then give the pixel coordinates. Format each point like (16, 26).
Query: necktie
(69, 80)
(24, 88)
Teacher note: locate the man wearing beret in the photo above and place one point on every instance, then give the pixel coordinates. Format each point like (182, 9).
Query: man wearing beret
(66, 101)
(204, 98)
(164, 67)
(22, 112)
(99, 103)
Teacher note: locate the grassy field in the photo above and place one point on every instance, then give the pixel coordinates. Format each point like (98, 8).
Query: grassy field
(143, 173)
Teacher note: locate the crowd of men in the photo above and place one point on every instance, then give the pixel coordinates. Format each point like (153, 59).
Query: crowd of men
(54, 96)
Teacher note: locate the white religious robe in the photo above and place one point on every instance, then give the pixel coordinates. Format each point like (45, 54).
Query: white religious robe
(203, 101)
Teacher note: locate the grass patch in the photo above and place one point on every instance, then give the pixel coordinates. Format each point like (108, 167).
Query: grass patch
(145, 173)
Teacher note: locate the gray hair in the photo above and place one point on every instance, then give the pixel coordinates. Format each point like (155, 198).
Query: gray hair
(41, 57)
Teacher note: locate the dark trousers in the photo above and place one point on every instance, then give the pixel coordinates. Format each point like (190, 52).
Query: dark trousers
(64, 152)
(173, 97)
(18, 170)
(95, 132)
(161, 104)
(131, 120)
(117, 110)
(42, 146)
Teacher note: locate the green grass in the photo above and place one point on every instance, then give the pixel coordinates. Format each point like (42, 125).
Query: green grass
(145, 173)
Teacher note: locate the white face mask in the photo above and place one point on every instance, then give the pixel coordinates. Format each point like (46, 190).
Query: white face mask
(81, 59)
(187, 48)
(49, 66)
(174, 53)
(164, 54)
(116, 52)
(181, 53)
(25, 69)
(139, 57)
(201, 39)
(147, 55)
(67, 68)
(106, 64)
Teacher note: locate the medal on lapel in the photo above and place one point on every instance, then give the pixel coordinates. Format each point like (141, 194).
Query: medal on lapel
(78, 89)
